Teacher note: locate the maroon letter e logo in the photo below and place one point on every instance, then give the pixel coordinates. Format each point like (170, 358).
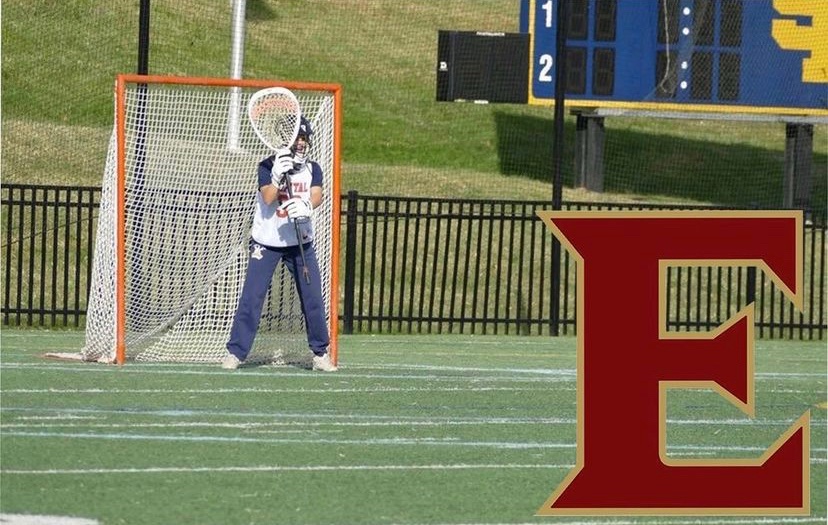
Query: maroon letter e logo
(627, 361)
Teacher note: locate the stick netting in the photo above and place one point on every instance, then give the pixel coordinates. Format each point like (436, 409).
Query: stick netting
(191, 158)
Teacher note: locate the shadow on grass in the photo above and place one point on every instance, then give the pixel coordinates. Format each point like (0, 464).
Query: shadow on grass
(660, 166)
(259, 11)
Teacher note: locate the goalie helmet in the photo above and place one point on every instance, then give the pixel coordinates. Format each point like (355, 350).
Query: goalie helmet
(302, 149)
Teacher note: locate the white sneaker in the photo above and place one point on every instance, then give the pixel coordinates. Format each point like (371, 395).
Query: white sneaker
(230, 362)
(323, 363)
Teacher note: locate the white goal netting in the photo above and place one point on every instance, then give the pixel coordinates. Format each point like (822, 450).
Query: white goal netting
(190, 184)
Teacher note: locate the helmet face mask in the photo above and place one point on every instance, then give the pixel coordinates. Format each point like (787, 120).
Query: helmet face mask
(301, 148)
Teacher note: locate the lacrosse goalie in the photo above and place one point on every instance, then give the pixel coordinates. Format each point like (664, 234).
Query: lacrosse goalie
(290, 186)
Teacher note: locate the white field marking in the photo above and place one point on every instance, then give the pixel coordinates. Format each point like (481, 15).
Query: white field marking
(256, 390)
(27, 519)
(59, 417)
(395, 441)
(815, 460)
(25, 333)
(288, 415)
(268, 369)
(672, 450)
(365, 419)
(745, 422)
(791, 391)
(547, 355)
(259, 427)
(406, 423)
(679, 521)
(470, 340)
(291, 468)
(272, 372)
(311, 424)
(372, 340)
(305, 423)
(786, 375)
(690, 449)
(564, 372)
(17, 519)
(280, 370)
(460, 341)
(547, 375)
(301, 390)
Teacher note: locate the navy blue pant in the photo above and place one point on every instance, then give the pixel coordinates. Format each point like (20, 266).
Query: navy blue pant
(260, 267)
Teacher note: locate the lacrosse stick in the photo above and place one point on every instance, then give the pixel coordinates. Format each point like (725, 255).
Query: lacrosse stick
(274, 114)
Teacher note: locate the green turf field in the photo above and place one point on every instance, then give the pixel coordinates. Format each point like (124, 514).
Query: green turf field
(411, 430)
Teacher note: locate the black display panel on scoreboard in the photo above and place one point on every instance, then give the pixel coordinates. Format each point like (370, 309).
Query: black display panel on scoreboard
(482, 66)
(738, 56)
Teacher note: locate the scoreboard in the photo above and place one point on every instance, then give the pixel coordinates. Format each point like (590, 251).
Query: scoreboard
(763, 57)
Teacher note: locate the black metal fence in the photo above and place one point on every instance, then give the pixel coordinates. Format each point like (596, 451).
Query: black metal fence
(419, 265)
(411, 265)
(48, 234)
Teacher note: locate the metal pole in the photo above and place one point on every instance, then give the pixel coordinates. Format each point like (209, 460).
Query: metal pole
(143, 37)
(137, 186)
(350, 262)
(236, 67)
(558, 144)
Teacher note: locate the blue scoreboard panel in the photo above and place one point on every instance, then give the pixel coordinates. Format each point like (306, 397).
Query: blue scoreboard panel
(764, 57)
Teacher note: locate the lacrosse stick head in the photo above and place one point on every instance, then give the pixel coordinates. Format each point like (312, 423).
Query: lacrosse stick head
(275, 115)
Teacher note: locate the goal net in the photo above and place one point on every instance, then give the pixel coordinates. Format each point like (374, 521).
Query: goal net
(178, 196)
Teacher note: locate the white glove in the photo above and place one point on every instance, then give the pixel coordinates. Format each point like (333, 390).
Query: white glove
(282, 164)
(297, 208)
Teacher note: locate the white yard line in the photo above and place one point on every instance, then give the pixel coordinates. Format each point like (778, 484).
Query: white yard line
(392, 441)
(20, 519)
(338, 390)
(648, 520)
(347, 419)
(27, 519)
(285, 415)
(170, 368)
(281, 372)
(250, 425)
(291, 468)
(259, 390)
(56, 422)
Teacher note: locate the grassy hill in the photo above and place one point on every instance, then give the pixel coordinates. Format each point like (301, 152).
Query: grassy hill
(60, 59)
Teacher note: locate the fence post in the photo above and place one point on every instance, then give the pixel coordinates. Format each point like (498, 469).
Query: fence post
(799, 140)
(750, 285)
(350, 262)
(558, 148)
